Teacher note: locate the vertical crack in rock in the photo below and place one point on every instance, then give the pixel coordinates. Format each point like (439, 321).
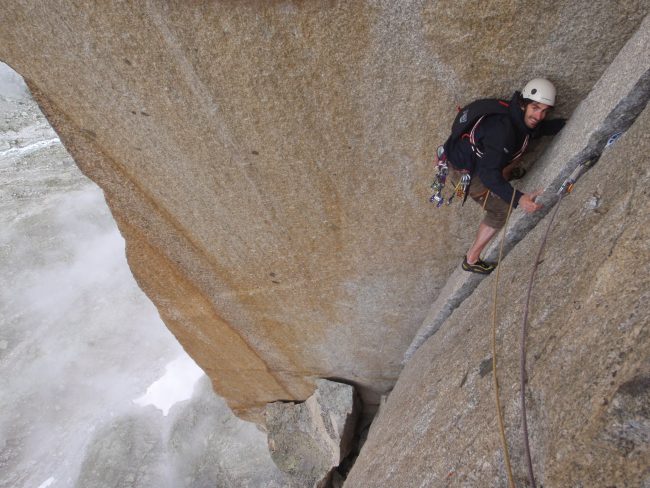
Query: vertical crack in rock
(587, 377)
(624, 100)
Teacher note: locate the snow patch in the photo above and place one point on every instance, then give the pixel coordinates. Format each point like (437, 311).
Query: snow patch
(176, 385)
(47, 482)
(31, 147)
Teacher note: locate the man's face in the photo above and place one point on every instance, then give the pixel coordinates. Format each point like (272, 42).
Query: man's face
(534, 113)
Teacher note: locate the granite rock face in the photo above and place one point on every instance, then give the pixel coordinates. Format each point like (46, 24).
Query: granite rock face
(588, 363)
(308, 440)
(268, 161)
(611, 107)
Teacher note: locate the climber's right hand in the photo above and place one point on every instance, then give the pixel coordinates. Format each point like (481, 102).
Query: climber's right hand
(527, 201)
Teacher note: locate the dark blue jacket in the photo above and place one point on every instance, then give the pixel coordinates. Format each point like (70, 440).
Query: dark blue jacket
(499, 137)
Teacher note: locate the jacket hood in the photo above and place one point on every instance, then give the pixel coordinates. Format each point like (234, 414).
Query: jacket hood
(517, 114)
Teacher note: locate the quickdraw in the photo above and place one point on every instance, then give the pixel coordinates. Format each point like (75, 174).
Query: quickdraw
(567, 185)
(440, 179)
(461, 188)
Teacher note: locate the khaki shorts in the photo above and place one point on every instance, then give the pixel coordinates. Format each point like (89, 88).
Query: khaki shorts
(496, 210)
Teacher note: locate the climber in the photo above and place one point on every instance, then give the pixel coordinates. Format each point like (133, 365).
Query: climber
(481, 156)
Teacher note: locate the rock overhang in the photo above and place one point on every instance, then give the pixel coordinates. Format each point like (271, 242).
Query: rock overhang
(266, 162)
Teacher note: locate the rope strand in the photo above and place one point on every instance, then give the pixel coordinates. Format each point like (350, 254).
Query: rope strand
(502, 432)
(522, 351)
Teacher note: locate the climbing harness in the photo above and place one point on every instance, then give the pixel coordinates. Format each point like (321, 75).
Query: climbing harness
(469, 116)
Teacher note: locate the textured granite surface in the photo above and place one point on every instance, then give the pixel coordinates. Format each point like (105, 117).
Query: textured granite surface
(588, 364)
(268, 162)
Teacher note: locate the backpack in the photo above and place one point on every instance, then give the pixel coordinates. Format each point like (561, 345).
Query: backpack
(470, 116)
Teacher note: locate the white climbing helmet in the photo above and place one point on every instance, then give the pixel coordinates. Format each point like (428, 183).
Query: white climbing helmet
(540, 90)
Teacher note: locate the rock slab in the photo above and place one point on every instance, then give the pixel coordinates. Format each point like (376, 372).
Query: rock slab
(308, 440)
(588, 363)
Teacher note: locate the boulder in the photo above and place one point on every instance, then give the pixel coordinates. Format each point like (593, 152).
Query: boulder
(308, 440)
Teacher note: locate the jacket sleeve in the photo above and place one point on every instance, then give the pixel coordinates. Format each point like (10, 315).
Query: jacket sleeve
(497, 140)
(551, 127)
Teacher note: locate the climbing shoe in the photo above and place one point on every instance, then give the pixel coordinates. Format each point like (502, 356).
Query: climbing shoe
(479, 266)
